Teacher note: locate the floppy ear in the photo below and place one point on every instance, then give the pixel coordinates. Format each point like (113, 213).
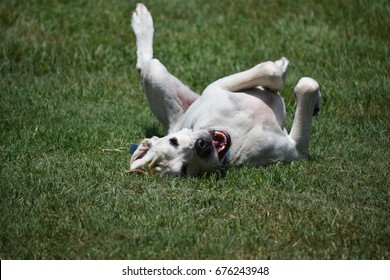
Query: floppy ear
(144, 155)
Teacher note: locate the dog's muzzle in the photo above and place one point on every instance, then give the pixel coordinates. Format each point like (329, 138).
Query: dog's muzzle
(204, 147)
(220, 142)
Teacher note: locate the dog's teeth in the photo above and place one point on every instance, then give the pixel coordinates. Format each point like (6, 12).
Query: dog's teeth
(220, 149)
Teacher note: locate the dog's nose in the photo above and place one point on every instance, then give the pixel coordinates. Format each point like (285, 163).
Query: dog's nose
(203, 147)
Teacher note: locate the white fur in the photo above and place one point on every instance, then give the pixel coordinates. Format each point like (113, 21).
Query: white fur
(247, 105)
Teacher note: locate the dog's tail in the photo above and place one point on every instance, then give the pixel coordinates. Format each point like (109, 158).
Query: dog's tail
(142, 24)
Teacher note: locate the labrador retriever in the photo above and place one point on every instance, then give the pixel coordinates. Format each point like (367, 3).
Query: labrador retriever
(239, 118)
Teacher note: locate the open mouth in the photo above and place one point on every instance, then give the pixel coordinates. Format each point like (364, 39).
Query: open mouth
(221, 142)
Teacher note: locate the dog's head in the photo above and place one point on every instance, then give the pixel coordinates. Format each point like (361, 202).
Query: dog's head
(186, 152)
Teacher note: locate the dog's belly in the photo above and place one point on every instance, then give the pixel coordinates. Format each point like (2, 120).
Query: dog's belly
(252, 118)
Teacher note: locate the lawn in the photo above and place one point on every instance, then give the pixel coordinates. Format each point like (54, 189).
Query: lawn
(71, 103)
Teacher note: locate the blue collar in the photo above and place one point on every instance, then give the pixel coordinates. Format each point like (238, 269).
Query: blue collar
(225, 160)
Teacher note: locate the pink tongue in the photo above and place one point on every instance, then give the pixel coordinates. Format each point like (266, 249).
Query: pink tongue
(217, 146)
(218, 141)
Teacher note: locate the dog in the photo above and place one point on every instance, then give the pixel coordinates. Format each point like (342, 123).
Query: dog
(237, 119)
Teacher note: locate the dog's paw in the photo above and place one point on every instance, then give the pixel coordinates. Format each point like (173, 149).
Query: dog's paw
(282, 63)
(142, 22)
(271, 75)
(307, 85)
(309, 88)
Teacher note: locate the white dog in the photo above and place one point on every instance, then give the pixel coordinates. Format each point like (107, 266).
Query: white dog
(239, 118)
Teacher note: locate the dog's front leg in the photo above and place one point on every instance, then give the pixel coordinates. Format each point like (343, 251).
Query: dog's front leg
(268, 74)
(167, 96)
(307, 95)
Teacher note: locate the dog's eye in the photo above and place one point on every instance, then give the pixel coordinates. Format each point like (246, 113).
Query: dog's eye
(173, 141)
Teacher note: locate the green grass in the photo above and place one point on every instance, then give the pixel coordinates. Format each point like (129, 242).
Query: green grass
(71, 103)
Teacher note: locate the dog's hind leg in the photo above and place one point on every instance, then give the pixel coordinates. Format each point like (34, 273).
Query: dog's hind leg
(142, 24)
(270, 75)
(167, 96)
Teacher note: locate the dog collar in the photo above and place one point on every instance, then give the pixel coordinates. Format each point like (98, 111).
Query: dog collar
(225, 160)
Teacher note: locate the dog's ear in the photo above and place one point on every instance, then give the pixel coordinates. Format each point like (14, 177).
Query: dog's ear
(145, 155)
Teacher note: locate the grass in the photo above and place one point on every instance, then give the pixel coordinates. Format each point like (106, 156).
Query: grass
(71, 103)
